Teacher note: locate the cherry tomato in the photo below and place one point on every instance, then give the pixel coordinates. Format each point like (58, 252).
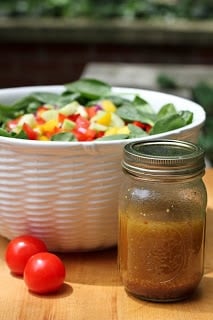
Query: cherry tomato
(20, 249)
(44, 273)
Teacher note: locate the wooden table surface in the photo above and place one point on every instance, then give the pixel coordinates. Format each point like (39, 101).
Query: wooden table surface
(93, 290)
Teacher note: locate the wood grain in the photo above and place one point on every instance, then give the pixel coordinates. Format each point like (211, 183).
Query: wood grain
(93, 290)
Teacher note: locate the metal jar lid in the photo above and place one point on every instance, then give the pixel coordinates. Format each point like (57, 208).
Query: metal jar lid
(163, 158)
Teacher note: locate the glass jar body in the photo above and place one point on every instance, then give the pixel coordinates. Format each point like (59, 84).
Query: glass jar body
(161, 237)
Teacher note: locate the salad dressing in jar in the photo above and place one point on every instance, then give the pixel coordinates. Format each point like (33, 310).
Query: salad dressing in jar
(162, 219)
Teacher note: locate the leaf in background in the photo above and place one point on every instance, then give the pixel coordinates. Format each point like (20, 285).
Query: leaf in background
(202, 93)
(166, 82)
(205, 139)
(89, 88)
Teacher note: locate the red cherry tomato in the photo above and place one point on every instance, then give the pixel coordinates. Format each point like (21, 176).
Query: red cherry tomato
(20, 249)
(44, 273)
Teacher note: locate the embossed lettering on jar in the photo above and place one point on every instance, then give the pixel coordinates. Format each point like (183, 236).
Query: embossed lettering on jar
(162, 219)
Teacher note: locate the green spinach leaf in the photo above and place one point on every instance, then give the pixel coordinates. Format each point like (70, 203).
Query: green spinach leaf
(20, 135)
(165, 110)
(129, 112)
(89, 88)
(168, 123)
(187, 116)
(136, 132)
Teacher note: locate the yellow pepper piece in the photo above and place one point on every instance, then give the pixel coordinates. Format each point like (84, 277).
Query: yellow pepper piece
(117, 130)
(49, 126)
(105, 119)
(111, 131)
(123, 130)
(43, 138)
(108, 105)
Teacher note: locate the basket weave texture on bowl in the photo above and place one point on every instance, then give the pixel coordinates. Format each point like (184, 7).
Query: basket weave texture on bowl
(68, 199)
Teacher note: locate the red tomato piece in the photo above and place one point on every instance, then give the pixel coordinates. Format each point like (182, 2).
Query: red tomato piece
(90, 134)
(99, 134)
(20, 249)
(38, 114)
(11, 124)
(91, 111)
(146, 127)
(31, 134)
(82, 131)
(61, 118)
(138, 124)
(83, 134)
(44, 273)
(40, 121)
(40, 110)
(73, 117)
(82, 122)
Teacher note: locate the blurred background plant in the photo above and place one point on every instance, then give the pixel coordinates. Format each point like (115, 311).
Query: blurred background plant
(131, 9)
(202, 93)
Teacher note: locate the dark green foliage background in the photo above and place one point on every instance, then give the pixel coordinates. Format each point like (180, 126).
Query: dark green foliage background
(131, 9)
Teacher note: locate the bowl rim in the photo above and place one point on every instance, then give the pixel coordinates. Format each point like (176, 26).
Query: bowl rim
(25, 90)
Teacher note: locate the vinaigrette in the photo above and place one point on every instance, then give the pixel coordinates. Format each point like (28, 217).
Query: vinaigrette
(161, 260)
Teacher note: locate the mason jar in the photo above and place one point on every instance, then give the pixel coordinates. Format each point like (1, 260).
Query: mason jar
(162, 209)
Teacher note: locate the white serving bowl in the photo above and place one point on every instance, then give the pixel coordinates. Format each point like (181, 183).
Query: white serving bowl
(66, 193)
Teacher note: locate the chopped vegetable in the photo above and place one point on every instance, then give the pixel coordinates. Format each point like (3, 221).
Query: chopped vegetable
(44, 273)
(86, 111)
(20, 249)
